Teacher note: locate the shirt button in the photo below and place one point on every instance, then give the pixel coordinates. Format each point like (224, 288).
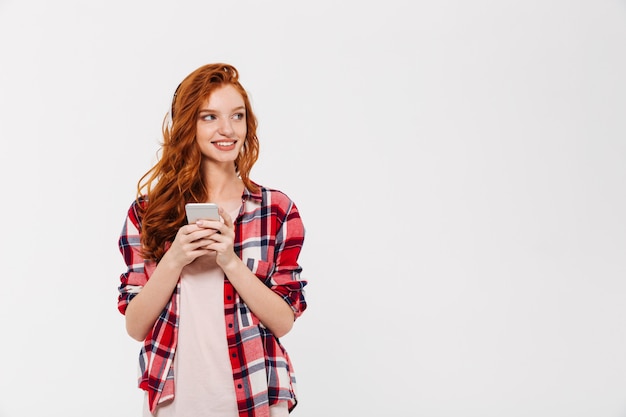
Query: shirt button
(234, 355)
(239, 386)
(228, 297)
(230, 325)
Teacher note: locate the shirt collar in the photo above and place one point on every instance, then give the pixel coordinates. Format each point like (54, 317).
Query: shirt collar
(252, 195)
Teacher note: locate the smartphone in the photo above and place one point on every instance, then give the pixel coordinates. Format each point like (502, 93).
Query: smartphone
(201, 211)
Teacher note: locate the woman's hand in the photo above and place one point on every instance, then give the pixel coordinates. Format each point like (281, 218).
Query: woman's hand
(191, 242)
(222, 239)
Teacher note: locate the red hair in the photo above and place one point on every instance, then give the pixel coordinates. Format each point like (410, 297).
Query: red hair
(176, 178)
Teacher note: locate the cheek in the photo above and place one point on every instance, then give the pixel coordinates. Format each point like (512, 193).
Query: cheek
(203, 132)
(242, 130)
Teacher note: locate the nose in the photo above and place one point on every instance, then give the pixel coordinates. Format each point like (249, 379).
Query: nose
(225, 127)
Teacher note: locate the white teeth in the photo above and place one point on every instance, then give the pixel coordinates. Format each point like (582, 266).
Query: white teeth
(224, 143)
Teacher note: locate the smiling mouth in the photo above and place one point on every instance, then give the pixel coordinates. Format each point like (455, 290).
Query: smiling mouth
(225, 145)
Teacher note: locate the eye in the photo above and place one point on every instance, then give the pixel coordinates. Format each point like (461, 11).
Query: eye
(239, 116)
(207, 117)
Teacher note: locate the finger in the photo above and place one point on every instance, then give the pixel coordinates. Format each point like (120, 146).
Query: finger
(193, 232)
(214, 225)
(228, 221)
(201, 235)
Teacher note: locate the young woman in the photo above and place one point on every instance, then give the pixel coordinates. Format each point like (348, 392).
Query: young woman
(210, 300)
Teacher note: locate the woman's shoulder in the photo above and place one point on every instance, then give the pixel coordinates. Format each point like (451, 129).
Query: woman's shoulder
(139, 203)
(136, 208)
(274, 196)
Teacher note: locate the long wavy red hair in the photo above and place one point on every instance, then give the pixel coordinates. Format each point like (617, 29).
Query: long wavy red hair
(176, 178)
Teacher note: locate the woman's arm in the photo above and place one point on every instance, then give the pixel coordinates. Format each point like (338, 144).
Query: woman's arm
(143, 308)
(268, 306)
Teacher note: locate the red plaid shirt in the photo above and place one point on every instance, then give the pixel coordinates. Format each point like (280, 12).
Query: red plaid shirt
(268, 238)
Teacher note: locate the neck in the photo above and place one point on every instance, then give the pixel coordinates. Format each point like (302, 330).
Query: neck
(223, 183)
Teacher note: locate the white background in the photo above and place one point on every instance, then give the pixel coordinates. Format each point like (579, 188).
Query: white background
(460, 168)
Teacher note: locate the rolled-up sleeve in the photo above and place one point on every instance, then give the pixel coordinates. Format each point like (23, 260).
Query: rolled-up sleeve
(284, 278)
(133, 280)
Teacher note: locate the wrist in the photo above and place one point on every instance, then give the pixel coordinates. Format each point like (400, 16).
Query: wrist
(171, 263)
(231, 264)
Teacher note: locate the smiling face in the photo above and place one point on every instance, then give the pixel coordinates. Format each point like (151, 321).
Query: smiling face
(221, 126)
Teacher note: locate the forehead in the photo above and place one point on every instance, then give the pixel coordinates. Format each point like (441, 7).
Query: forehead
(224, 97)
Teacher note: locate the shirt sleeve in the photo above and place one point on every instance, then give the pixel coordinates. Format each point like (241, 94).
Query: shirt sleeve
(133, 280)
(285, 277)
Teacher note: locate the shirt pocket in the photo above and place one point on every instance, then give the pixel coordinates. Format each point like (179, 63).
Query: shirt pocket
(262, 269)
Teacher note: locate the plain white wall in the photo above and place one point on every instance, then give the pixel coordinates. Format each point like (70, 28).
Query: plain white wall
(460, 168)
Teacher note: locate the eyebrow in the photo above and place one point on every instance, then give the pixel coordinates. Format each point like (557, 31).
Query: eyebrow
(215, 111)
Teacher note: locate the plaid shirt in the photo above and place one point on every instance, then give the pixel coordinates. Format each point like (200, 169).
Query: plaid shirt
(268, 238)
